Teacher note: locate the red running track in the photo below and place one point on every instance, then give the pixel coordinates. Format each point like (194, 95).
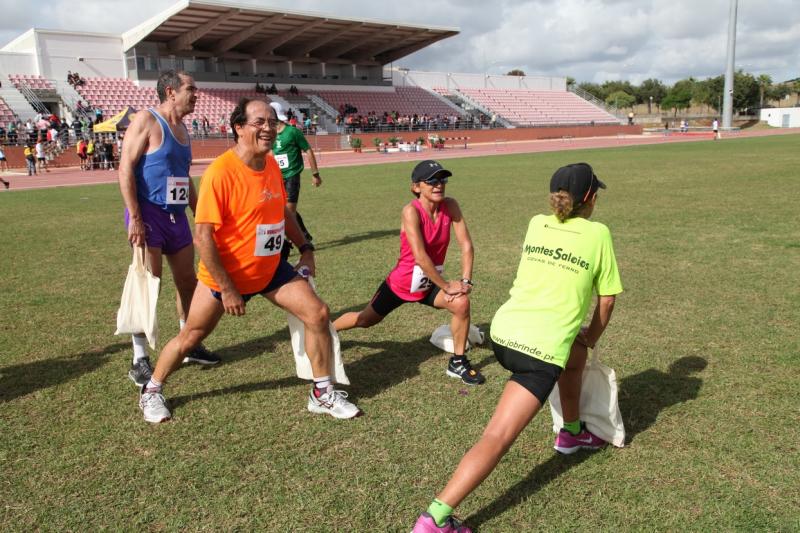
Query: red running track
(73, 176)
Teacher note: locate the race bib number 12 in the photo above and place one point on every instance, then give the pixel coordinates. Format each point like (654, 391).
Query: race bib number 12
(177, 191)
(419, 281)
(269, 239)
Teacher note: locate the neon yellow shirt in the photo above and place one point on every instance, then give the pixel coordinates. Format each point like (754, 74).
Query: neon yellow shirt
(560, 266)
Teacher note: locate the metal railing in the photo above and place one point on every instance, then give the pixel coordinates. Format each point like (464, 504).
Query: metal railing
(485, 110)
(592, 99)
(32, 99)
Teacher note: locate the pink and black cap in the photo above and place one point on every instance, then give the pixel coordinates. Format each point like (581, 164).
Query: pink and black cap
(578, 179)
(428, 170)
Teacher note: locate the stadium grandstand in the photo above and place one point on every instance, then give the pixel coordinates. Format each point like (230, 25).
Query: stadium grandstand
(339, 76)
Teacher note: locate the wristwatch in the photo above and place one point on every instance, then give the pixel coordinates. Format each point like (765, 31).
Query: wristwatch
(315, 173)
(306, 246)
(467, 281)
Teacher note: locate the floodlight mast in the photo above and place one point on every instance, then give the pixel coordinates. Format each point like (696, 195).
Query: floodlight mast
(727, 98)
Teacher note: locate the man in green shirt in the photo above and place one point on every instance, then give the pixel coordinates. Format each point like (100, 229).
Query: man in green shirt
(288, 150)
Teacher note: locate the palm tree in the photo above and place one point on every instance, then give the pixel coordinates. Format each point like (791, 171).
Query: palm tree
(764, 83)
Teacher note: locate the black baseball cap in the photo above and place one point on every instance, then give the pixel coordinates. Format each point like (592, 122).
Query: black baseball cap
(578, 179)
(427, 170)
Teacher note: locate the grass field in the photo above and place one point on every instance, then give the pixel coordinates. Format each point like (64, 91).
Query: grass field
(704, 340)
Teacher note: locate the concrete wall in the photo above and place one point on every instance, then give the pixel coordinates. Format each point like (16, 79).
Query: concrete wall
(776, 116)
(58, 52)
(16, 63)
(451, 80)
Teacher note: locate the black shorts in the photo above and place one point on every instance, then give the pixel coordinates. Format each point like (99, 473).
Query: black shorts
(282, 276)
(537, 376)
(385, 300)
(292, 185)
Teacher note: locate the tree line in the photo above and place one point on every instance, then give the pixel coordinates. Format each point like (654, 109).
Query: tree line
(749, 92)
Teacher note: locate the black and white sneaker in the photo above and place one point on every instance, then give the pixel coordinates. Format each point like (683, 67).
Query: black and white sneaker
(462, 369)
(141, 372)
(201, 355)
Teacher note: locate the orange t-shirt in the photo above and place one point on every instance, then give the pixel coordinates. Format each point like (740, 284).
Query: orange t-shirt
(246, 208)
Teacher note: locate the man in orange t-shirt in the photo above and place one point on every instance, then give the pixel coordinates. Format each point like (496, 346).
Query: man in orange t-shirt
(240, 223)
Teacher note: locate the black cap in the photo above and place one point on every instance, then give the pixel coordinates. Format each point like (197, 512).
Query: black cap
(578, 179)
(427, 170)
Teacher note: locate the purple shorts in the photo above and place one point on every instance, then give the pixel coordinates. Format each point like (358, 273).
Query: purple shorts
(164, 230)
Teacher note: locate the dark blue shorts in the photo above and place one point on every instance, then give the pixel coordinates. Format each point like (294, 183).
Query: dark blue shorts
(163, 229)
(283, 275)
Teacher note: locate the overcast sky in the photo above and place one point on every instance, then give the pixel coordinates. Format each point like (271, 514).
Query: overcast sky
(590, 40)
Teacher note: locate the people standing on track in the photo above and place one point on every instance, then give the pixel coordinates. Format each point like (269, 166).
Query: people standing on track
(715, 127)
(30, 159)
(156, 187)
(424, 237)
(537, 333)
(288, 151)
(82, 151)
(241, 222)
(4, 167)
(41, 157)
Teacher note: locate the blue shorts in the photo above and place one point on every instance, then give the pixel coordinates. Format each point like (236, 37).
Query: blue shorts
(282, 276)
(163, 229)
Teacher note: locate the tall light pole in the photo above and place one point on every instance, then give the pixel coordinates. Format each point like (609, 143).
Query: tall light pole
(727, 102)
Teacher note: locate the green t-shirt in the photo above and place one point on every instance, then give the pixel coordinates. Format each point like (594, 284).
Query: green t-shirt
(560, 265)
(288, 150)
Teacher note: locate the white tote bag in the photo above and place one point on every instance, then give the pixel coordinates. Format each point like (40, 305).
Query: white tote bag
(442, 337)
(301, 360)
(137, 308)
(599, 404)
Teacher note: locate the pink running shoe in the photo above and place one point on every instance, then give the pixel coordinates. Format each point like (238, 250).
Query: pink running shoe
(567, 443)
(426, 524)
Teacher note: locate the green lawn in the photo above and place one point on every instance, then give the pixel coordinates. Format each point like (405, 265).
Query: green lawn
(704, 340)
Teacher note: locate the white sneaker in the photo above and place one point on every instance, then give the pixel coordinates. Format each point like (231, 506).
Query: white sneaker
(334, 403)
(154, 407)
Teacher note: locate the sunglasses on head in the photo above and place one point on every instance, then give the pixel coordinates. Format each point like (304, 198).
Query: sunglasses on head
(433, 182)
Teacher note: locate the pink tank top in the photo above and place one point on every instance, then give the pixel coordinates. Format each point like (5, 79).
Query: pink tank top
(407, 279)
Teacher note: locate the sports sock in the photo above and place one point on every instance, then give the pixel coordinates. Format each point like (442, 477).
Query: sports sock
(139, 347)
(321, 385)
(440, 511)
(153, 386)
(573, 427)
(181, 322)
(458, 359)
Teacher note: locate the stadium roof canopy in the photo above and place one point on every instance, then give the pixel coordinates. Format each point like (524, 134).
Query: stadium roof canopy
(210, 28)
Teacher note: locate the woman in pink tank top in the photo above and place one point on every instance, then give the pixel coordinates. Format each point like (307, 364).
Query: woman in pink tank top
(417, 276)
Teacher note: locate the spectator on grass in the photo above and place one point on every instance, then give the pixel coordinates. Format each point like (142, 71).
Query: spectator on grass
(425, 225)
(537, 334)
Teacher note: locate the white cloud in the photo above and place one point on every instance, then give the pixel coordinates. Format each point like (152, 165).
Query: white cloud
(590, 40)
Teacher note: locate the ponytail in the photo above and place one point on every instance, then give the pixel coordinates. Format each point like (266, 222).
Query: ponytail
(561, 204)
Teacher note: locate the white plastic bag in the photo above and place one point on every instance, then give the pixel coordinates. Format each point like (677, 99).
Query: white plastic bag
(442, 337)
(301, 360)
(599, 404)
(137, 308)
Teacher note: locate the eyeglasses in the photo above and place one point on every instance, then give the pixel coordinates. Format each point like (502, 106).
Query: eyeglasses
(259, 124)
(433, 182)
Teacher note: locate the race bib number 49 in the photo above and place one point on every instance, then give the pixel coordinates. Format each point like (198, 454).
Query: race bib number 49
(283, 161)
(269, 239)
(419, 281)
(177, 191)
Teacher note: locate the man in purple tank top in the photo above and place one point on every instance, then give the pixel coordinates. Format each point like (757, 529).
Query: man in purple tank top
(417, 277)
(156, 188)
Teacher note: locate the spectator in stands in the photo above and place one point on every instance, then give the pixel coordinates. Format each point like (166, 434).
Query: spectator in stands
(98, 115)
(70, 78)
(30, 159)
(13, 127)
(195, 127)
(3, 138)
(30, 131)
(206, 126)
(221, 125)
(82, 151)
(630, 117)
(293, 90)
(288, 150)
